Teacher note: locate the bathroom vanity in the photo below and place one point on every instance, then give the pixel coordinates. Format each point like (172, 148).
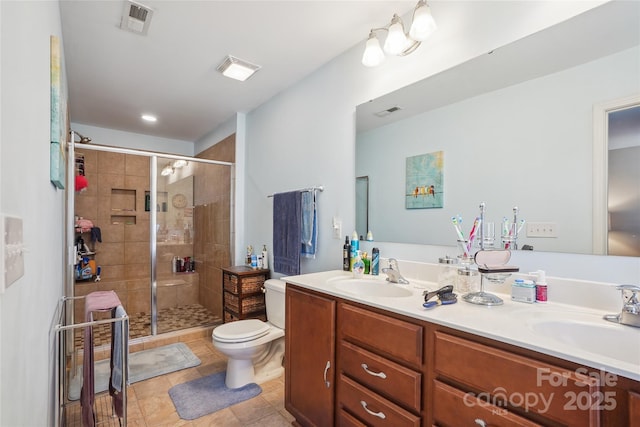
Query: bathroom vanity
(353, 359)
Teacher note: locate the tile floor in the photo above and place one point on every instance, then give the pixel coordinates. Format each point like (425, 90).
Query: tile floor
(149, 404)
(169, 319)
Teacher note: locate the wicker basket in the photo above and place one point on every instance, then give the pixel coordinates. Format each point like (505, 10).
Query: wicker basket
(249, 304)
(248, 284)
(228, 317)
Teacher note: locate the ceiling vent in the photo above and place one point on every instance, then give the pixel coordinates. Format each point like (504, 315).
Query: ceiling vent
(388, 111)
(136, 17)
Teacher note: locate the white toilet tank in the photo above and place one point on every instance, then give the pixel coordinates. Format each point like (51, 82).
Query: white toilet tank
(275, 300)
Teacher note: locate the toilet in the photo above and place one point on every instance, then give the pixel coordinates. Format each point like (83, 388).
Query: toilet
(254, 348)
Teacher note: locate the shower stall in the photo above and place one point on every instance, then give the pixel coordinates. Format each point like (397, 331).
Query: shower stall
(156, 229)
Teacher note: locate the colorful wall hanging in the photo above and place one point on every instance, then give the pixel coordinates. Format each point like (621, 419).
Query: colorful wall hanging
(424, 183)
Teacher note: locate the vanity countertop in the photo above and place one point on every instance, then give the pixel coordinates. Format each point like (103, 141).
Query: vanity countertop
(570, 332)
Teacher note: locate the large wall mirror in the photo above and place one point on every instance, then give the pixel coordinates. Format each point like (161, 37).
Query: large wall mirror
(516, 128)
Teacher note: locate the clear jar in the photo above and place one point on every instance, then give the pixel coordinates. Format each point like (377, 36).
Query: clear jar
(448, 271)
(468, 280)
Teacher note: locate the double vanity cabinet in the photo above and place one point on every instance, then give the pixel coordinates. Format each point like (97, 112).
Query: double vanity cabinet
(352, 364)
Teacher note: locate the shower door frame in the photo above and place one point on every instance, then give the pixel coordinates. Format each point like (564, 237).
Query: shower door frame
(153, 185)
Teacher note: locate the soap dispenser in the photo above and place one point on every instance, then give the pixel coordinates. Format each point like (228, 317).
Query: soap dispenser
(541, 286)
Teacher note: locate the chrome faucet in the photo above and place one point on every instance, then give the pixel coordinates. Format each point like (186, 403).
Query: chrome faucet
(630, 314)
(393, 274)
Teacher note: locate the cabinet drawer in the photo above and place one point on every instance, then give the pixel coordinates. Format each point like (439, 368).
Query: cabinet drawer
(453, 408)
(634, 406)
(372, 409)
(345, 419)
(243, 285)
(382, 375)
(555, 393)
(397, 338)
(244, 305)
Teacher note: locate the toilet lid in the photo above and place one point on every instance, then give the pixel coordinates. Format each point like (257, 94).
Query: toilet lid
(242, 330)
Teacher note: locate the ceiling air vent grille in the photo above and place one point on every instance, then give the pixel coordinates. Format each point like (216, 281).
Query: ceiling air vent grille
(388, 111)
(136, 17)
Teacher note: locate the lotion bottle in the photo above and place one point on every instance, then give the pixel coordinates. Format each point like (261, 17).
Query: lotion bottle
(265, 257)
(541, 286)
(358, 266)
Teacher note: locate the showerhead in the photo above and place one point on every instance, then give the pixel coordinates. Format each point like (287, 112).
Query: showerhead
(83, 139)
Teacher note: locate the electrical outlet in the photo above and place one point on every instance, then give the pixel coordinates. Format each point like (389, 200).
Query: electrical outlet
(337, 228)
(542, 229)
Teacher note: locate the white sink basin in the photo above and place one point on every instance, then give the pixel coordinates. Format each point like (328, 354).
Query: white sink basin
(590, 333)
(371, 288)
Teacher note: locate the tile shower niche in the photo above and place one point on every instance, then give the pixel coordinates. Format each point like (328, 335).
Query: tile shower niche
(123, 206)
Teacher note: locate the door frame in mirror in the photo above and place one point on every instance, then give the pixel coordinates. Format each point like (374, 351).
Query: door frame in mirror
(362, 205)
(601, 168)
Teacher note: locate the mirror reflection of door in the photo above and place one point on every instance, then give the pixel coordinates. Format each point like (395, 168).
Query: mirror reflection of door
(362, 205)
(623, 184)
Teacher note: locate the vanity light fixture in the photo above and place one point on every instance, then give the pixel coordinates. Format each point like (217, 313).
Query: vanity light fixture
(236, 68)
(397, 41)
(167, 170)
(149, 118)
(180, 163)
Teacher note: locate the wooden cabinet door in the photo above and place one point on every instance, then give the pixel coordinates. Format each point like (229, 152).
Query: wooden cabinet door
(309, 357)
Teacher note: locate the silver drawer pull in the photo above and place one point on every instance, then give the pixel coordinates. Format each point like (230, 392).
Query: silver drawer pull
(375, 414)
(375, 374)
(480, 422)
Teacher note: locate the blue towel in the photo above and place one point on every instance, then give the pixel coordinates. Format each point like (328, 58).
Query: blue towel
(309, 224)
(287, 223)
(118, 342)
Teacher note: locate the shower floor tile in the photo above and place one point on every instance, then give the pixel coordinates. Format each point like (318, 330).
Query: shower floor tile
(169, 319)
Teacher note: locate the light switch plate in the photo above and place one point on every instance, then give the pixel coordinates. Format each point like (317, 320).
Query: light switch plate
(11, 251)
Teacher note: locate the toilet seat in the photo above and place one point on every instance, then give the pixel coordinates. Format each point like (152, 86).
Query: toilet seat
(241, 331)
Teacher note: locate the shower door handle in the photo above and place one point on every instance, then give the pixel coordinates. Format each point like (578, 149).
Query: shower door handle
(326, 369)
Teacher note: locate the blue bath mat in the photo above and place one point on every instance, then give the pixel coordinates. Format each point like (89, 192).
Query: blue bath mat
(209, 394)
(143, 365)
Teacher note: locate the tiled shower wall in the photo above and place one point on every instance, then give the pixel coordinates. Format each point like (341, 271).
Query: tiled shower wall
(115, 202)
(124, 251)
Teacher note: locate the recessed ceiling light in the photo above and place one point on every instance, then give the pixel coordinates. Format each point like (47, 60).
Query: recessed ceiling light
(149, 118)
(236, 68)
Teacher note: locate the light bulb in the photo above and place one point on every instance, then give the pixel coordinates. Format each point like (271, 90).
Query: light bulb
(396, 40)
(373, 54)
(167, 170)
(423, 23)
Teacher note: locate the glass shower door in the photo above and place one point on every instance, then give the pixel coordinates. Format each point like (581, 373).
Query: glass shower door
(174, 287)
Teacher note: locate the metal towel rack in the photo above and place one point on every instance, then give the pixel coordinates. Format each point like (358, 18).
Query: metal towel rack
(303, 190)
(66, 363)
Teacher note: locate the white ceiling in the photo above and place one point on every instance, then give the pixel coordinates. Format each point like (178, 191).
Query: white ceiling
(114, 76)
